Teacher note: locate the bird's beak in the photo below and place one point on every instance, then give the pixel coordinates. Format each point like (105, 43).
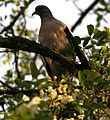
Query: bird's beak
(33, 13)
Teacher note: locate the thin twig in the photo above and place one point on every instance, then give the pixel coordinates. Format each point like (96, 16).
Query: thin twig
(7, 51)
(4, 84)
(84, 14)
(16, 64)
(15, 91)
(74, 2)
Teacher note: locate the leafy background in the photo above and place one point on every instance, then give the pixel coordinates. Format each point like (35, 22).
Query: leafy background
(26, 91)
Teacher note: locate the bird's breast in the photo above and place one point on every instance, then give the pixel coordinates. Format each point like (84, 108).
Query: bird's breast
(53, 36)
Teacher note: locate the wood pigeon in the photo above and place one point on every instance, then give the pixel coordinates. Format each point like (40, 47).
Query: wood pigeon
(52, 35)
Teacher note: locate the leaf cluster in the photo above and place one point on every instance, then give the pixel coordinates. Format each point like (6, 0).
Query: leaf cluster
(28, 94)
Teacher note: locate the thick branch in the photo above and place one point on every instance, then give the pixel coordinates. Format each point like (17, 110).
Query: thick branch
(19, 43)
(84, 14)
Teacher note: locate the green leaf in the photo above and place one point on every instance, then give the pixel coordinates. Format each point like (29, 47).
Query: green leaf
(90, 104)
(103, 2)
(39, 82)
(102, 40)
(107, 29)
(97, 34)
(89, 46)
(88, 77)
(99, 105)
(78, 39)
(108, 70)
(34, 70)
(42, 104)
(18, 97)
(27, 84)
(9, 73)
(86, 40)
(24, 113)
(90, 29)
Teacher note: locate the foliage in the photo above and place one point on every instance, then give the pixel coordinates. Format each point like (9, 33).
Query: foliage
(83, 98)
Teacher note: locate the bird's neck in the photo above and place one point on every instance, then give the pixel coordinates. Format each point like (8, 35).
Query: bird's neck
(46, 15)
(46, 19)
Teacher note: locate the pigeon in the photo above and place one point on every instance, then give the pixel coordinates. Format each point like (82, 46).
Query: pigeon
(52, 35)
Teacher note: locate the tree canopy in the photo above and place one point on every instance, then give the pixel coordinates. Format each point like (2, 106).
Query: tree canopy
(26, 91)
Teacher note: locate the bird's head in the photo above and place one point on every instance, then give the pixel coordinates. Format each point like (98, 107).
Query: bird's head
(42, 11)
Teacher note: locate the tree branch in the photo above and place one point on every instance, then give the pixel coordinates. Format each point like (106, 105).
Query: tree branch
(14, 92)
(84, 14)
(16, 17)
(4, 84)
(19, 43)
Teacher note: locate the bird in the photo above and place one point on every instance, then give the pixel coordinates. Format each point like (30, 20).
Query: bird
(52, 35)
